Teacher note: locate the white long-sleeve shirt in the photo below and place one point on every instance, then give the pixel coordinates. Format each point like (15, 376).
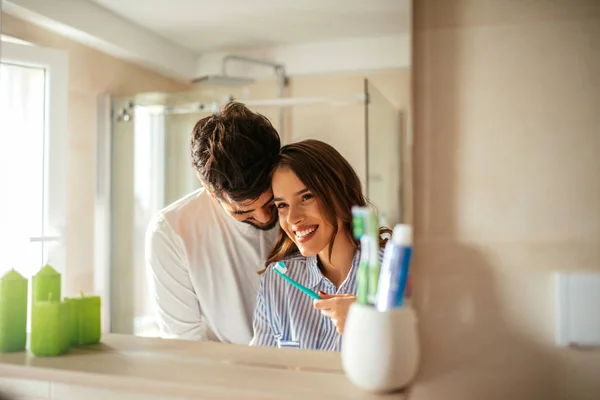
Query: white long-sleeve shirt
(202, 267)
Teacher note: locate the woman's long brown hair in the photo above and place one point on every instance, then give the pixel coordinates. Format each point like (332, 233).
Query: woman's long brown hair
(333, 182)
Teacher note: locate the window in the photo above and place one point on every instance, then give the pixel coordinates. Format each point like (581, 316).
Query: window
(33, 158)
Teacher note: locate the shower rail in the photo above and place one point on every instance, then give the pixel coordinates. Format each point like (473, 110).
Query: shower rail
(198, 107)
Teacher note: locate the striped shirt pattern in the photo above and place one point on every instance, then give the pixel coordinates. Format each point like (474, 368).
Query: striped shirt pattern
(286, 317)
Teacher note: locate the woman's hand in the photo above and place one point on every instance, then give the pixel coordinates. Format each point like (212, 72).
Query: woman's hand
(335, 306)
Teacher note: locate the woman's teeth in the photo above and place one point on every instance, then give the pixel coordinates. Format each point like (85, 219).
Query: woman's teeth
(305, 232)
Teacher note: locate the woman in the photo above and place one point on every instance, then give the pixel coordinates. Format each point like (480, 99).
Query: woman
(314, 189)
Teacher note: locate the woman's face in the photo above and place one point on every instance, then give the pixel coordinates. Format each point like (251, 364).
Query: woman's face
(300, 213)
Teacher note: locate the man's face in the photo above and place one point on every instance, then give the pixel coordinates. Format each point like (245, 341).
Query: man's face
(259, 213)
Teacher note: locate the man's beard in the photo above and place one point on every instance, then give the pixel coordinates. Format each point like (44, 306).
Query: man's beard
(265, 227)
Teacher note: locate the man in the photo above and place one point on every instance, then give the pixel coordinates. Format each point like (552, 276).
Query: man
(203, 251)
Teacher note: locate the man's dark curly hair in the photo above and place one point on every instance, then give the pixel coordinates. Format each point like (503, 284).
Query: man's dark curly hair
(234, 152)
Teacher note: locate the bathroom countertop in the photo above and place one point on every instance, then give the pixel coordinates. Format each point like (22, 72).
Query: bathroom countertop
(192, 369)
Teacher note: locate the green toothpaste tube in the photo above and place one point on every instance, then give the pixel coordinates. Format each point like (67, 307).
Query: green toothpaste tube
(362, 275)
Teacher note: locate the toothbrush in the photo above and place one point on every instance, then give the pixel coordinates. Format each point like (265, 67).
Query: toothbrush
(282, 270)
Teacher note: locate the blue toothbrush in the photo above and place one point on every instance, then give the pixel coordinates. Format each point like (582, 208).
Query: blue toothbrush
(282, 270)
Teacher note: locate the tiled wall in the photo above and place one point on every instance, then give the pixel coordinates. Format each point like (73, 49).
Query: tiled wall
(507, 190)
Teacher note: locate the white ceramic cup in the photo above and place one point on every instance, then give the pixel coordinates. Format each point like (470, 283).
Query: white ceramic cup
(380, 350)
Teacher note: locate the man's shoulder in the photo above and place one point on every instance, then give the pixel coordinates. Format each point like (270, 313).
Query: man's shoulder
(191, 206)
(190, 203)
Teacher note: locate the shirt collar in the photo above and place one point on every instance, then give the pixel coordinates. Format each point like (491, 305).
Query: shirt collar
(314, 273)
(315, 276)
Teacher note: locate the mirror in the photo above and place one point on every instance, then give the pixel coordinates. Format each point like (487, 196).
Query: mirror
(317, 70)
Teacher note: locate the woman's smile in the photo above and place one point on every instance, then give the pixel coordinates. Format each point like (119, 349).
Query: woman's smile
(305, 233)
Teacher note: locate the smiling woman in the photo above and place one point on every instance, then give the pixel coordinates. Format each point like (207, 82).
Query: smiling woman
(314, 189)
(307, 169)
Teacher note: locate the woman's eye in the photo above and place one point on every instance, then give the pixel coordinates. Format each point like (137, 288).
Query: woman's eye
(307, 197)
(280, 206)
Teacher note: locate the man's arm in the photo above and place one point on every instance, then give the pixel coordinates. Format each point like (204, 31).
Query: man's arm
(177, 310)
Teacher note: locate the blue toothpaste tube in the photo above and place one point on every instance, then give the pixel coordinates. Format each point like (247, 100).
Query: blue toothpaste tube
(394, 269)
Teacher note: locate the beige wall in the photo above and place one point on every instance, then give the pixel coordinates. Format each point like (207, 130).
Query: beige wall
(507, 190)
(90, 73)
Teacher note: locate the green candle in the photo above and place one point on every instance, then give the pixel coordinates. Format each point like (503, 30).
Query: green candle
(49, 328)
(84, 319)
(64, 323)
(74, 312)
(44, 284)
(13, 312)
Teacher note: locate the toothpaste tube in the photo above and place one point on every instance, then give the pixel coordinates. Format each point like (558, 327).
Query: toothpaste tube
(359, 233)
(366, 230)
(395, 268)
(372, 225)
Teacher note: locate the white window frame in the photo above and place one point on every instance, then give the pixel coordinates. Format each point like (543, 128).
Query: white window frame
(55, 64)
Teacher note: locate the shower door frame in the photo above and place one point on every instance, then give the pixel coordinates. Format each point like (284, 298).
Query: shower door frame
(103, 209)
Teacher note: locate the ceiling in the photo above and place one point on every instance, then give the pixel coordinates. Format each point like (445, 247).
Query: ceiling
(208, 25)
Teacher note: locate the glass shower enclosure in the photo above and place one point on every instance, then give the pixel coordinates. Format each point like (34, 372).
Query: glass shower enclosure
(144, 165)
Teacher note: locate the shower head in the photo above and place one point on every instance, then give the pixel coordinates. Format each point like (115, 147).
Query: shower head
(224, 80)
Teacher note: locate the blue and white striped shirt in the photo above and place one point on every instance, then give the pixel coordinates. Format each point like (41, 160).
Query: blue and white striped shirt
(286, 317)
